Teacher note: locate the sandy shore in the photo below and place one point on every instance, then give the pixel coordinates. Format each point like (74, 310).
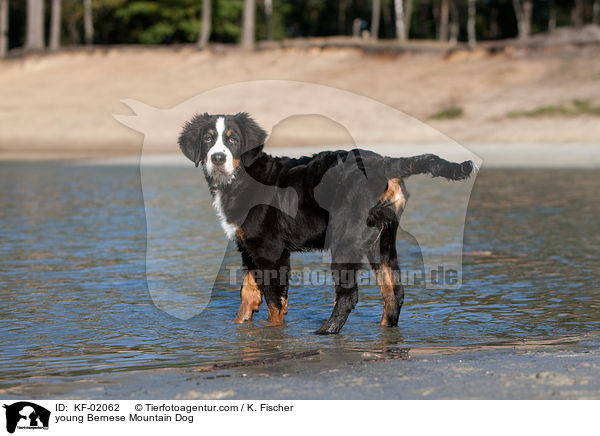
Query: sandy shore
(60, 106)
(558, 369)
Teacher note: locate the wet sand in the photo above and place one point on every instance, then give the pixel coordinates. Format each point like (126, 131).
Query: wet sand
(564, 368)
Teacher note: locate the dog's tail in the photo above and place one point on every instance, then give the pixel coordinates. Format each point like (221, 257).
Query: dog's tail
(427, 164)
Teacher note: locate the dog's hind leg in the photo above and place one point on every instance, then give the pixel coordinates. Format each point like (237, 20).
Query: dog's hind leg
(346, 297)
(387, 272)
(275, 288)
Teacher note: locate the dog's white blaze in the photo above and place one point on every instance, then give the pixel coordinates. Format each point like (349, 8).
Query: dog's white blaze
(220, 147)
(228, 228)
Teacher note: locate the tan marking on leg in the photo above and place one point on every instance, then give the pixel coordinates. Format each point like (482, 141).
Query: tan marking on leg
(284, 303)
(239, 234)
(251, 299)
(386, 284)
(276, 314)
(395, 193)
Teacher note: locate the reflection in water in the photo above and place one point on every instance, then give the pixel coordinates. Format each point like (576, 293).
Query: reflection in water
(75, 299)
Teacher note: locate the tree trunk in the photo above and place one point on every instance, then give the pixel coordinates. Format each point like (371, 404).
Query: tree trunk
(269, 19)
(407, 16)
(34, 39)
(400, 29)
(527, 13)
(356, 28)
(444, 13)
(88, 22)
(493, 31)
(55, 25)
(523, 13)
(454, 21)
(471, 24)
(3, 27)
(435, 6)
(73, 32)
(248, 23)
(387, 17)
(204, 36)
(343, 5)
(375, 14)
(596, 12)
(577, 13)
(551, 16)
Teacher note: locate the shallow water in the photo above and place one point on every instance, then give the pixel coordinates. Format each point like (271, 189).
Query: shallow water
(75, 299)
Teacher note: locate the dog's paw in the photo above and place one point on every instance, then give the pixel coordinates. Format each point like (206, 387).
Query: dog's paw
(466, 168)
(327, 330)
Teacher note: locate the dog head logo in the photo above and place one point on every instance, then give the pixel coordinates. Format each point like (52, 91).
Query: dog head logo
(26, 415)
(186, 244)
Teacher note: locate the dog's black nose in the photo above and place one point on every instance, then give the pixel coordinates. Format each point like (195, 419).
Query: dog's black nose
(218, 158)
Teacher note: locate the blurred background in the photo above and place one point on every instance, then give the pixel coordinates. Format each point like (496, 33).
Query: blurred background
(481, 71)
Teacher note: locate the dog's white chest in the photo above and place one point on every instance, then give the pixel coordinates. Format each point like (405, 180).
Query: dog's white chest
(228, 228)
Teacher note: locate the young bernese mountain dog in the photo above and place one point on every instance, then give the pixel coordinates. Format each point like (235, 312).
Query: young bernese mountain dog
(348, 202)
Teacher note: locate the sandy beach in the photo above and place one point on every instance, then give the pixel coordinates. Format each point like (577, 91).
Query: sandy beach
(60, 106)
(564, 368)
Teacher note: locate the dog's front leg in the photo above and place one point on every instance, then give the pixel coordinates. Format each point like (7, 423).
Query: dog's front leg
(251, 296)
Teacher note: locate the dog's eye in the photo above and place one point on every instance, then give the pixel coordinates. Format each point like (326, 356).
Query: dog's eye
(207, 139)
(232, 140)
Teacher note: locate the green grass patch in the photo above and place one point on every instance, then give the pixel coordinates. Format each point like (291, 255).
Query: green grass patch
(450, 113)
(577, 107)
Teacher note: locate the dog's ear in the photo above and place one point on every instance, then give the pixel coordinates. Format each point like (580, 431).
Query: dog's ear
(190, 139)
(254, 137)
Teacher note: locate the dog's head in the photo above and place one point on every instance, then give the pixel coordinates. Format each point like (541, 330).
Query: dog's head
(221, 144)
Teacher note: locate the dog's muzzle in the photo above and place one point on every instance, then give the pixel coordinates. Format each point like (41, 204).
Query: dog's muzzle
(218, 159)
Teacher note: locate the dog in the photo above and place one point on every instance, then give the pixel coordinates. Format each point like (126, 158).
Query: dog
(349, 202)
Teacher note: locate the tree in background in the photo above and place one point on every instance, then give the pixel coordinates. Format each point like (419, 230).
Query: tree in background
(375, 14)
(159, 21)
(577, 13)
(206, 24)
(408, 8)
(55, 25)
(34, 38)
(401, 33)
(248, 24)
(454, 21)
(523, 11)
(88, 22)
(471, 24)
(444, 14)
(342, 14)
(551, 16)
(180, 21)
(3, 27)
(268, 20)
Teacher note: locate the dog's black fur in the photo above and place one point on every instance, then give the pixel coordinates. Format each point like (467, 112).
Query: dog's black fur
(347, 201)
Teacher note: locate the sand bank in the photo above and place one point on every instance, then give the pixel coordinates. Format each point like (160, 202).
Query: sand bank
(60, 106)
